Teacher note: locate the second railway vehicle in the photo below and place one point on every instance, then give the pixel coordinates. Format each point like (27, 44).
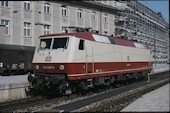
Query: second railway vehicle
(66, 62)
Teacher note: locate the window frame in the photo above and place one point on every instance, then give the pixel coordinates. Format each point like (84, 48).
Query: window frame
(105, 18)
(47, 8)
(27, 29)
(46, 29)
(93, 16)
(6, 23)
(63, 29)
(64, 11)
(80, 13)
(5, 4)
(27, 5)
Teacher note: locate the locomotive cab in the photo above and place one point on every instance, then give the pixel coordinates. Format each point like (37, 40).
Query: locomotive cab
(53, 60)
(56, 47)
(49, 61)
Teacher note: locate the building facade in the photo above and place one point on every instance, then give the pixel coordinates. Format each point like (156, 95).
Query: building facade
(143, 24)
(25, 21)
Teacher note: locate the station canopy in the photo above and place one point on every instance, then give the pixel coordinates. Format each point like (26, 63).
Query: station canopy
(16, 47)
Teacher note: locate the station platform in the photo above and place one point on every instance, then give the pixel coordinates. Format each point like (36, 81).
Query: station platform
(160, 68)
(13, 79)
(154, 101)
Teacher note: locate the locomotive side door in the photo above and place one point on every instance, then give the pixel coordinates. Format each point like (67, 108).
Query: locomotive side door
(87, 50)
(89, 60)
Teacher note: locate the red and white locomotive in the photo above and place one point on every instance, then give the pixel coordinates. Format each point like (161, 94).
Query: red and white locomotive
(69, 61)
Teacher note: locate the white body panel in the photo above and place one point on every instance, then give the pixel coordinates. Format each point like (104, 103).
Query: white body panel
(103, 52)
(94, 51)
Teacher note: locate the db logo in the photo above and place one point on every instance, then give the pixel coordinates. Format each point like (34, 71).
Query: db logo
(48, 58)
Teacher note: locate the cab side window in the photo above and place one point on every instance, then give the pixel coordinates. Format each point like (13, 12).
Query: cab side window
(81, 45)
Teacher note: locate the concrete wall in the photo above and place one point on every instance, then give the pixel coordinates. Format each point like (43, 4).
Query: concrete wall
(13, 91)
(2, 35)
(13, 87)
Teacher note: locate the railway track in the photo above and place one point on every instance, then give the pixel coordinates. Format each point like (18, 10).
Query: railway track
(30, 103)
(115, 104)
(11, 105)
(84, 103)
(71, 103)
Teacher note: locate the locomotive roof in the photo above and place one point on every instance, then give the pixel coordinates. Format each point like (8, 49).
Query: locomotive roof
(90, 36)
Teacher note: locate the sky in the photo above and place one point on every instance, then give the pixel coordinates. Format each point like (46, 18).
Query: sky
(158, 6)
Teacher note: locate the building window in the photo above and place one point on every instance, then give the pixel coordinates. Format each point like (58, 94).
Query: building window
(27, 5)
(46, 29)
(93, 16)
(79, 13)
(47, 8)
(6, 23)
(64, 11)
(105, 18)
(4, 3)
(27, 29)
(63, 29)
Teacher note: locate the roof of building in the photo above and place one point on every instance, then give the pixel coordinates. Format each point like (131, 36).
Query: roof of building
(92, 36)
(16, 47)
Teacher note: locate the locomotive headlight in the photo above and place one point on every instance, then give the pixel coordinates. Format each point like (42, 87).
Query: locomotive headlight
(61, 67)
(37, 67)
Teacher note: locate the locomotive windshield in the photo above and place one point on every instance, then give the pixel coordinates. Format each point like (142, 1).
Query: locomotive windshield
(60, 43)
(57, 43)
(45, 43)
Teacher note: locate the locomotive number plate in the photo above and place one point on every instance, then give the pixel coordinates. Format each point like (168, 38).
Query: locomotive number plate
(48, 67)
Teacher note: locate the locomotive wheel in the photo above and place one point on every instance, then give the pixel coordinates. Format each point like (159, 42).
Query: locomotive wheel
(73, 89)
(135, 76)
(108, 82)
(82, 88)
